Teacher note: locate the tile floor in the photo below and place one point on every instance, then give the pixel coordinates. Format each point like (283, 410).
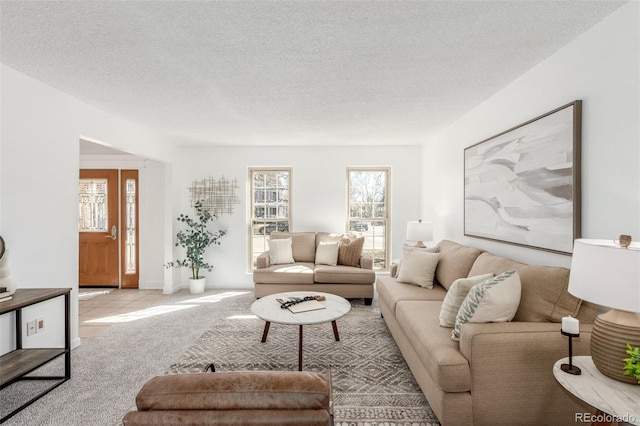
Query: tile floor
(119, 301)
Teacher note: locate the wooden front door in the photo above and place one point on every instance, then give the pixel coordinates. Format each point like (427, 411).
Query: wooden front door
(98, 229)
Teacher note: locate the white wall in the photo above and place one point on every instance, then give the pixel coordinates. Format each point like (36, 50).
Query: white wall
(39, 161)
(601, 67)
(318, 193)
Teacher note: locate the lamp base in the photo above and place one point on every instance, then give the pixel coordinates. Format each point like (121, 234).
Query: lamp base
(611, 333)
(420, 244)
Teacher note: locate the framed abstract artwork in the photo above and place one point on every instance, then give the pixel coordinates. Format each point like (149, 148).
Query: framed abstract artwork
(522, 186)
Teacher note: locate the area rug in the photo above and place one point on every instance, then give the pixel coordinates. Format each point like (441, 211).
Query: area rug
(372, 384)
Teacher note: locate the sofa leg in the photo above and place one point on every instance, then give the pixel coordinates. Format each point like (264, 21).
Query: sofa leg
(368, 301)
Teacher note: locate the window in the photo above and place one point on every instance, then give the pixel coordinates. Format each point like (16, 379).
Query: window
(130, 221)
(93, 216)
(369, 212)
(270, 206)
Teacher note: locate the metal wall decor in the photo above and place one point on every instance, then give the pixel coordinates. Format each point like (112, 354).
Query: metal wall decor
(522, 186)
(217, 195)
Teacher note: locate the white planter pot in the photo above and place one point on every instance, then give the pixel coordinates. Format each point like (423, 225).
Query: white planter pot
(196, 286)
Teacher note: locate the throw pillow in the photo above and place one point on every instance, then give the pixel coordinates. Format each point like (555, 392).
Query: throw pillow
(280, 251)
(407, 247)
(327, 253)
(493, 300)
(418, 268)
(455, 296)
(350, 251)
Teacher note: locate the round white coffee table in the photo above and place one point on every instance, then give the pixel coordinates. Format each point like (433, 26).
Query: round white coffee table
(268, 309)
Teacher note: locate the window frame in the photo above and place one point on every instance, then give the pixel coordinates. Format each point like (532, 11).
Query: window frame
(251, 205)
(387, 210)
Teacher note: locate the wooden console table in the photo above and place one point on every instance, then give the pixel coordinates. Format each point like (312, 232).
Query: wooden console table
(15, 365)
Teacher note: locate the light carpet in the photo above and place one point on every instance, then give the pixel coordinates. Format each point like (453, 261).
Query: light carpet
(108, 369)
(372, 384)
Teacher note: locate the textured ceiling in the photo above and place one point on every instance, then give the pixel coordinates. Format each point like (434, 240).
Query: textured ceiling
(287, 73)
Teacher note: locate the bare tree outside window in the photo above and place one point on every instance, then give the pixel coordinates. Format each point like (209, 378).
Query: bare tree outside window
(369, 211)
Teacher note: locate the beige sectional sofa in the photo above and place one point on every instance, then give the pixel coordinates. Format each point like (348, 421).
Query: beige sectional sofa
(305, 273)
(498, 373)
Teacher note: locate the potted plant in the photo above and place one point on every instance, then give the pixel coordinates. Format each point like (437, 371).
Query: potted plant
(196, 238)
(632, 364)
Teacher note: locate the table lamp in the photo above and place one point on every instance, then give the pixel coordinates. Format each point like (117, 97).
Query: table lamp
(420, 231)
(607, 273)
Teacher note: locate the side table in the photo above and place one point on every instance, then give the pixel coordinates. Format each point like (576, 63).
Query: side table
(614, 401)
(17, 364)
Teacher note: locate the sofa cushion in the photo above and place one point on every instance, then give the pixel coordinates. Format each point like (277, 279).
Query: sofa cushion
(455, 262)
(295, 273)
(544, 288)
(350, 251)
(545, 296)
(433, 345)
(257, 390)
(418, 268)
(490, 263)
(344, 275)
(280, 251)
(303, 244)
(392, 292)
(493, 300)
(455, 296)
(327, 253)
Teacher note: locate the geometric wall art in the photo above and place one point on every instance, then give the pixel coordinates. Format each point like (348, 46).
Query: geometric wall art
(522, 186)
(217, 195)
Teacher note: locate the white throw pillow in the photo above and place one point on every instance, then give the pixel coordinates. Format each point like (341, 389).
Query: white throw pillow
(455, 296)
(418, 268)
(493, 300)
(327, 253)
(407, 247)
(280, 251)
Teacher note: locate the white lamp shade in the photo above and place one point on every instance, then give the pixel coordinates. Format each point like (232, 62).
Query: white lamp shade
(420, 231)
(606, 274)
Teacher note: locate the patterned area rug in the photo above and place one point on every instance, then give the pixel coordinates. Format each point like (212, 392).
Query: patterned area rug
(371, 382)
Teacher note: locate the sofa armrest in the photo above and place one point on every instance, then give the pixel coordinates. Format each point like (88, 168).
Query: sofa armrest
(366, 261)
(476, 338)
(511, 368)
(262, 261)
(393, 271)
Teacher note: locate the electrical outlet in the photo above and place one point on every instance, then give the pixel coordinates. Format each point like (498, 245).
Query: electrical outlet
(39, 324)
(31, 328)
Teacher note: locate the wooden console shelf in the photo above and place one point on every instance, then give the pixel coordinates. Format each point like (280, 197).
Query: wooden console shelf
(15, 365)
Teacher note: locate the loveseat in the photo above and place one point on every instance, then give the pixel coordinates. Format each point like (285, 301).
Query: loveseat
(498, 373)
(235, 398)
(315, 261)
